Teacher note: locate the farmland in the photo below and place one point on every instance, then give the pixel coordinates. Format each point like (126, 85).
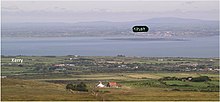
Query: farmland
(141, 78)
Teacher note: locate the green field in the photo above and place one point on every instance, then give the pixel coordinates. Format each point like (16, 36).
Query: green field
(17, 89)
(37, 79)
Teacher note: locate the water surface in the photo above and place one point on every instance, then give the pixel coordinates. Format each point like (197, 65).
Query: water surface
(97, 46)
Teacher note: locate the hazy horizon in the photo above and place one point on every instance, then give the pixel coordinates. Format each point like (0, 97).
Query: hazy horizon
(114, 11)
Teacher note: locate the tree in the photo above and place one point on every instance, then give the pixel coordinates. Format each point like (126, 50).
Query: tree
(79, 87)
(70, 86)
(201, 79)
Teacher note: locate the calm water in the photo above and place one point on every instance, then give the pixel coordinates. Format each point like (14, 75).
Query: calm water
(199, 47)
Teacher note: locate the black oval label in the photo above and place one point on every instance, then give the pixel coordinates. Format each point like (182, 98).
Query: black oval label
(140, 29)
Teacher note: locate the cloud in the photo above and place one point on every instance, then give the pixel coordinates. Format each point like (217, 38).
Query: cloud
(106, 11)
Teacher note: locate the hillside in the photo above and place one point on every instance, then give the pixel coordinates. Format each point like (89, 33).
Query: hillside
(159, 27)
(26, 90)
(44, 78)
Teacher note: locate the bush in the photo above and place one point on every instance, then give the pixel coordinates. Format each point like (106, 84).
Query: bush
(169, 78)
(70, 86)
(176, 90)
(79, 87)
(201, 79)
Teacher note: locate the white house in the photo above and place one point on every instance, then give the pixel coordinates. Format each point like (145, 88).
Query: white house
(3, 77)
(100, 85)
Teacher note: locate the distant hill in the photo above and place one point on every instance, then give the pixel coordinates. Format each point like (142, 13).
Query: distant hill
(159, 27)
(173, 20)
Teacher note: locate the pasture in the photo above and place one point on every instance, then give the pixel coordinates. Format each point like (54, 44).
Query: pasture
(132, 89)
(38, 79)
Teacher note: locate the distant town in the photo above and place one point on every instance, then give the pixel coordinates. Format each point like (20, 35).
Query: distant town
(120, 63)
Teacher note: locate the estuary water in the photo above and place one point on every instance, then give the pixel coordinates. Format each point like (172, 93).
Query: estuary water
(101, 46)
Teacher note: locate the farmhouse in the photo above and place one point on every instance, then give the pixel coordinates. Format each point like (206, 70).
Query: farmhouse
(100, 85)
(189, 64)
(109, 85)
(113, 84)
(59, 65)
(3, 77)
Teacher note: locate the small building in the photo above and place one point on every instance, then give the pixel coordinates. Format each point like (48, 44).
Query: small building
(113, 84)
(160, 60)
(189, 78)
(72, 65)
(3, 77)
(216, 69)
(100, 85)
(59, 65)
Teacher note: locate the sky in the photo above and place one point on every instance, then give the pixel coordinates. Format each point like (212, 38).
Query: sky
(116, 11)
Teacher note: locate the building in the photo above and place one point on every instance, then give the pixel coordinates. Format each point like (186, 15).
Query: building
(189, 64)
(160, 60)
(100, 85)
(59, 65)
(3, 77)
(113, 84)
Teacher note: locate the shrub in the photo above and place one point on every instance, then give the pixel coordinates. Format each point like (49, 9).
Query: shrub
(79, 87)
(176, 90)
(70, 86)
(201, 79)
(168, 78)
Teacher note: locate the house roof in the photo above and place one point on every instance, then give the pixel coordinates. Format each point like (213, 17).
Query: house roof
(100, 84)
(112, 83)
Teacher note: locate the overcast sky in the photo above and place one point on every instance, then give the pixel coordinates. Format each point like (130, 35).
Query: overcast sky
(76, 11)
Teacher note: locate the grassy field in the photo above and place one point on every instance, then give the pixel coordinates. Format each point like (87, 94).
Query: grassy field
(16, 89)
(34, 80)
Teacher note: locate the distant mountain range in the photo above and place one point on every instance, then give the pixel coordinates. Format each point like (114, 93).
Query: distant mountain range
(159, 27)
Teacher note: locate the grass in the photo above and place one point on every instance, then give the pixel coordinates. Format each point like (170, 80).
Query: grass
(143, 75)
(165, 74)
(148, 89)
(194, 86)
(158, 94)
(15, 89)
(139, 86)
